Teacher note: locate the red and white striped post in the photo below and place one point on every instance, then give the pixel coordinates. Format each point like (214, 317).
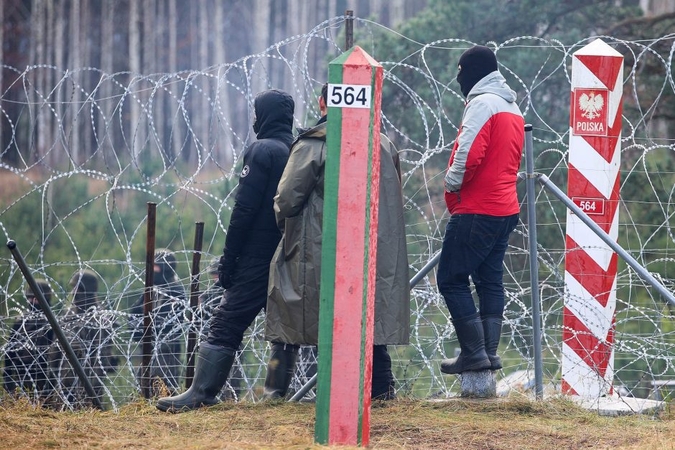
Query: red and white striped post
(349, 250)
(593, 185)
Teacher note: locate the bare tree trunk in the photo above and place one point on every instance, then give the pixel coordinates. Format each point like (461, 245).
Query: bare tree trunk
(86, 79)
(51, 122)
(159, 113)
(149, 66)
(380, 11)
(315, 63)
(204, 119)
(176, 118)
(135, 137)
(37, 42)
(332, 12)
(280, 18)
(222, 149)
(397, 14)
(75, 63)
(361, 12)
(189, 149)
(59, 126)
(296, 18)
(261, 25)
(59, 35)
(106, 136)
(299, 12)
(653, 8)
(148, 33)
(318, 49)
(304, 23)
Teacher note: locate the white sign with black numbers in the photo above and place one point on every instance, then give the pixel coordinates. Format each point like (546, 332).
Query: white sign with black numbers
(349, 95)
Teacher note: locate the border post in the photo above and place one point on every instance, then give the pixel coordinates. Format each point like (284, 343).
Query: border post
(148, 303)
(349, 29)
(593, 185)
(349, 249)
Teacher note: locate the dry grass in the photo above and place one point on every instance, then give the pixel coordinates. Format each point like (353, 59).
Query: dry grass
(404, 424)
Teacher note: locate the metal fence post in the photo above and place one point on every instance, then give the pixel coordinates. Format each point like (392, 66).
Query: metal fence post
(534, 266)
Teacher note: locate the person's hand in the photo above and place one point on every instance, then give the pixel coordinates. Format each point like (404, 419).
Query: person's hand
(226, 268)
(450, 188)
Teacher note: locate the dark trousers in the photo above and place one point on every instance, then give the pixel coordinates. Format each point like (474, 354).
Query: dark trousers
(383, 378)
(474, 245)
(241, 303)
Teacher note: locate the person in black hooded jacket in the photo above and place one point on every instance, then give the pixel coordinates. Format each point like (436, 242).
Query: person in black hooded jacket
(252, 238)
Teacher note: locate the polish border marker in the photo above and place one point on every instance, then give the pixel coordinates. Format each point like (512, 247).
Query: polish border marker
(593, 185)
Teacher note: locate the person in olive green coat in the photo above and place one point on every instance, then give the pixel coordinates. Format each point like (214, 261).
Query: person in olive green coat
(293, 290)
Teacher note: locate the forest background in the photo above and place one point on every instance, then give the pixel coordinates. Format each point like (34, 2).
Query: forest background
(58, 51)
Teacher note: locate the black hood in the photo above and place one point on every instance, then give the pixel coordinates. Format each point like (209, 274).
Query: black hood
(85, 289)
(273, 113)
(46, 291)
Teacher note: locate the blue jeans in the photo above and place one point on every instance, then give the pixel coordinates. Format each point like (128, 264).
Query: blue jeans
(474, 245)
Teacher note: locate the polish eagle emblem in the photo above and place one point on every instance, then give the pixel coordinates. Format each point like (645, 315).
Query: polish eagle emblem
(591, 104)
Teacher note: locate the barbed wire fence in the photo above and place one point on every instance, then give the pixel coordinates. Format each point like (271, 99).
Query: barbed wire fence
(175, 139)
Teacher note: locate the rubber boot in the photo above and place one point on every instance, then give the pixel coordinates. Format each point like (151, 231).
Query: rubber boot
(492, 327)
(280, 370)
(211, 371)
(383, 387)
(472, 356)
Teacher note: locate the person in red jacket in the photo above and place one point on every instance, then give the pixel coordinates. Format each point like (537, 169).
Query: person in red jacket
(480, 193)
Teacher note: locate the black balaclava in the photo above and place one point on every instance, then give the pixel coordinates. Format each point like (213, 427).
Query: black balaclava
(85, 288)
(474, 65)
(46, 291)
(165, 267)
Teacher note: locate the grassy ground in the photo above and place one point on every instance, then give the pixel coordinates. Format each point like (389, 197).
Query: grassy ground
(403, 424)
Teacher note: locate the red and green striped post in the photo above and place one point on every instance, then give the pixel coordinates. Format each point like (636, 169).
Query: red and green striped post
(349, 249)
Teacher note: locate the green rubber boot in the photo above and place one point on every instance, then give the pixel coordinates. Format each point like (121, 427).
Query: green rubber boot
(211, 372)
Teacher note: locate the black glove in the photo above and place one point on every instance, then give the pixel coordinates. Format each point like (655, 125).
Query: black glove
(226, 268)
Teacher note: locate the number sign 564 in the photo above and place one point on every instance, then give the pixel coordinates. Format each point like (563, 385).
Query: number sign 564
(590, 206)
(349, 95)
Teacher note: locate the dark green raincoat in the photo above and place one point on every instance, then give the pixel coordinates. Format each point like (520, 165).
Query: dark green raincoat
(293, 290)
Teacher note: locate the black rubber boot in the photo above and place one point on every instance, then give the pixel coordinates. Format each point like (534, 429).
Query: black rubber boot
(472, 356)
(383, 387)
(280, 370)
(492, 327)
(211, 371)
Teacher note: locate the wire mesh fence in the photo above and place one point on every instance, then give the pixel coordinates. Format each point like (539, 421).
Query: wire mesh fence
(176, 139)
